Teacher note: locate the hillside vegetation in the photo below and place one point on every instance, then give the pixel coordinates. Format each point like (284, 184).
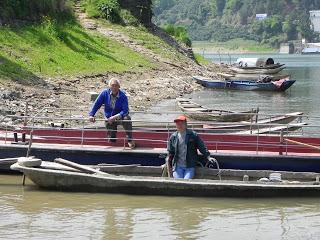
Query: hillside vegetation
(50, 49)
(42, 38)
(222, 20)
(57, 52)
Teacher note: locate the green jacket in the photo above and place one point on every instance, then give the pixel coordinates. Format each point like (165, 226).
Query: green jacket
(194, 143)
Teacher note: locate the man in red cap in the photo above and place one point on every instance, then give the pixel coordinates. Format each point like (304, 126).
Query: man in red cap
(182, 150)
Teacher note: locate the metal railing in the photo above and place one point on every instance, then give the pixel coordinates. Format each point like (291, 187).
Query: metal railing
(144, 126)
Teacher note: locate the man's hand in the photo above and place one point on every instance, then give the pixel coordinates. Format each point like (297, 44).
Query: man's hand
(210, 160)
(112, 119)
(92, 119)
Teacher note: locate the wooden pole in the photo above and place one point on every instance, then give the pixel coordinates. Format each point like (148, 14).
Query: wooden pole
(83, 168)
(25, 115)
(30, 143)
(303, 144)
(28, 153)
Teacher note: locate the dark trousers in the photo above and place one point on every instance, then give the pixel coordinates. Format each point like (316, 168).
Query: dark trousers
(112, 128)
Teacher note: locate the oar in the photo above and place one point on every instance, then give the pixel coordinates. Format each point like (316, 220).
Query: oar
(83, 168)
(303, 144)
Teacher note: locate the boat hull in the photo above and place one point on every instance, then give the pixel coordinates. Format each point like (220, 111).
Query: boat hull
(246, 85)
(70, 181)
(200, 113)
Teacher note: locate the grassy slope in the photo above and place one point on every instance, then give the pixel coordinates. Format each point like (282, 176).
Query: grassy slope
(142, 36)
(50, 49)
(232, 46)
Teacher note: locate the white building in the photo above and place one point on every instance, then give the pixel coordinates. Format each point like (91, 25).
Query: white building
(315, 20)
(261, 16)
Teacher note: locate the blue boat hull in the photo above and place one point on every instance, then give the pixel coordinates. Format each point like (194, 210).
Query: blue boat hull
(157, 158)
(247, 85)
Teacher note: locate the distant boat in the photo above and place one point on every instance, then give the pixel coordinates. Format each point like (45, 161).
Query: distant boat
(256, 66)
(254, 70)
(255, 77)
(274, 129)
(313, 50)
(262, 125)
(201, 113)
(248, 85)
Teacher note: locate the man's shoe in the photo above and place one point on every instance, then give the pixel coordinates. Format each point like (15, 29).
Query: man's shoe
(131, 144)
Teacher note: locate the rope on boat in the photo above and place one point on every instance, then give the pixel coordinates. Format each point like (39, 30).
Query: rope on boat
(301, 143)
(213, 160)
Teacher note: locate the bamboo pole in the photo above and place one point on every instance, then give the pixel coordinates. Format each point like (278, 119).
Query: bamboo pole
(83, 168)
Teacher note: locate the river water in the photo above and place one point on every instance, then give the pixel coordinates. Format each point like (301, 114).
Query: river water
(30, 213)
(303, 96)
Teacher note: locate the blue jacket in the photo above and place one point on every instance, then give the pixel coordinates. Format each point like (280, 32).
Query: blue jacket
(121, 105)
(193, 141)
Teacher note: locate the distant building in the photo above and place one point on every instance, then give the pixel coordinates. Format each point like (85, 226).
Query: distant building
(315, 20)
(261, 16)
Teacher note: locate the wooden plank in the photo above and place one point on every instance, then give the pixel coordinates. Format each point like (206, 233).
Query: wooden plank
(85, 169)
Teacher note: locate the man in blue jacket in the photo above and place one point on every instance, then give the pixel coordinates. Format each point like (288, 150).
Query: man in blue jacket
(182, 149)
(116, 111)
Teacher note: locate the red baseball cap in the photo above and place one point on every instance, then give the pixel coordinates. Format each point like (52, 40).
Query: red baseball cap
(181, 118)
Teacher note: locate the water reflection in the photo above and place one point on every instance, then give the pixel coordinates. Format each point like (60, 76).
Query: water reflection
(33, 214)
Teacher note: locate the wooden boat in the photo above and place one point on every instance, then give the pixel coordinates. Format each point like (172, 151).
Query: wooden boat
(274, 129)
(275, 86)
(255, 124)
(198, 112)
(255, 77)
(257, 70)
(149, 181)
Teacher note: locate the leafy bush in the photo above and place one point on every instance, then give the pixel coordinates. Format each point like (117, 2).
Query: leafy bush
(110, 10)
(128, 19)
(179, 32)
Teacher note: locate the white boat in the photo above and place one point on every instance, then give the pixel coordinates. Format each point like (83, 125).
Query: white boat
(257, 70)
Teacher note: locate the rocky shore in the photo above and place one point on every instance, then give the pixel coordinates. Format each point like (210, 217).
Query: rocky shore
(143, 89)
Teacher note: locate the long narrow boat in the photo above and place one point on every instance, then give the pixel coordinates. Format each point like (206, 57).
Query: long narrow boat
(273, 129)
(275, 86)
(255, 77)
(198, 112)
(252, 125)
(270, 66)
(148, 181)
(257, 70)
